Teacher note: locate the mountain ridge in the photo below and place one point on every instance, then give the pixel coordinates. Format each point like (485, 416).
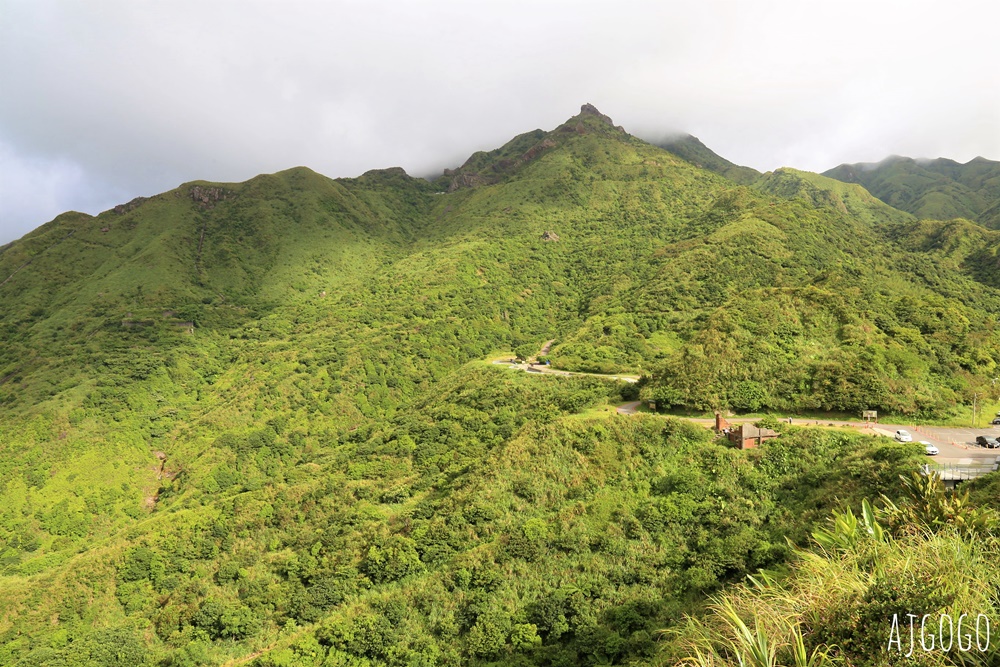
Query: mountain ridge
(940, 189)
(260, 421)
(690, 148)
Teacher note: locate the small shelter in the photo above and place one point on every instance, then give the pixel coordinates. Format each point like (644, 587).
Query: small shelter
(748, 436)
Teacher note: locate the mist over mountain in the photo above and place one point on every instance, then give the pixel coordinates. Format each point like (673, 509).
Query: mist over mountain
(691, 149)
(939, 189)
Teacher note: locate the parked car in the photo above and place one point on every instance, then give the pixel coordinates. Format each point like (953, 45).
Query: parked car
(903, 436)
(929, 448)
(996, 422)
(990, 443)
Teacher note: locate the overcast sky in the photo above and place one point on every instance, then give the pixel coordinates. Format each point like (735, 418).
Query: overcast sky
(103, 101)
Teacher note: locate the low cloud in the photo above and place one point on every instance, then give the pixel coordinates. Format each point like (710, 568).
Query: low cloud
(117, 99)
(35, 188)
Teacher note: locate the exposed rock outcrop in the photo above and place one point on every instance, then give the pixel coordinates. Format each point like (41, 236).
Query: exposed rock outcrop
(122, 209)
(464, 181)
(461, 178)
(207, 197)
(590, 110)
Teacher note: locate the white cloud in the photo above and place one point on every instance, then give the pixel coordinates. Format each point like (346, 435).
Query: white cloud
(143, 96)
(38, 189)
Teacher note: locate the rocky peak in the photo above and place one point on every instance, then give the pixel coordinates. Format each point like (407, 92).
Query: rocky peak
(590, 110)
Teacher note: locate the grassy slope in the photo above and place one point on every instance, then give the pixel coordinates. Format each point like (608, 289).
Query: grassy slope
(691, 149)
(801, 294)
(328, 313)
(937, 189)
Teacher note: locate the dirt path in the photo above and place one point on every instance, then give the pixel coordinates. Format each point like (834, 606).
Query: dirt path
(547, 370)
(629, 408)
(545, 348)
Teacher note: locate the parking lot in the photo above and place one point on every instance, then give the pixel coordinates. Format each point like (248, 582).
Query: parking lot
(956, 444)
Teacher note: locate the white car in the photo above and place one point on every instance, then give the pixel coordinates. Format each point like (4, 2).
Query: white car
(903, 436)
(930, 449)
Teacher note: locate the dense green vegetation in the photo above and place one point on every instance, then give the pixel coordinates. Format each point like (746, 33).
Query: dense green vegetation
(486, 524)
(826, 300)
(938, 189)
(852, 597)
(254, 421)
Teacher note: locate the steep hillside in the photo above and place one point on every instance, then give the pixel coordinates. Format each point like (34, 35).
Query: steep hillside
(257, 420)
(939, 189)
(492, 522)
(819, 298)
(691, 149)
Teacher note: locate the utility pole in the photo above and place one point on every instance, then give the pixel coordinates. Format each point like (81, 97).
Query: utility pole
(974, 397)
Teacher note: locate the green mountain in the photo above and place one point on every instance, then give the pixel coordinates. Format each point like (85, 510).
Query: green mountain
(691, 149)
(258, 422)
(939, 189)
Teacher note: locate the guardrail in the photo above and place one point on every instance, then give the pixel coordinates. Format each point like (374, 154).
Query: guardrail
(962, 471)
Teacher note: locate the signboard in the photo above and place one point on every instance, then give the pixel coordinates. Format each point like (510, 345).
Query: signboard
(870, 415)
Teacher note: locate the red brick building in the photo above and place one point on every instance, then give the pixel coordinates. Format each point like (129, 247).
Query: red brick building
(748, 436)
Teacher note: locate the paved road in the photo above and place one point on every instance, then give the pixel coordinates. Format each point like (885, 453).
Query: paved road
(957, 445)
(959, 434)
(629, 408)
